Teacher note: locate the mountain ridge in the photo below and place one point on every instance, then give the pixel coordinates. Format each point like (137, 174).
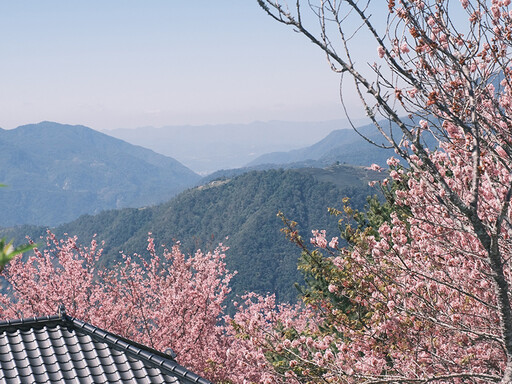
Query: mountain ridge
(56, 172)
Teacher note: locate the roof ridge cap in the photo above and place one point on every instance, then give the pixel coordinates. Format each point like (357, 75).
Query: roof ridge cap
(4, 324)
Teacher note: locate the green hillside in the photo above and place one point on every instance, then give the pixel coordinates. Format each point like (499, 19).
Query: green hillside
(244, 210)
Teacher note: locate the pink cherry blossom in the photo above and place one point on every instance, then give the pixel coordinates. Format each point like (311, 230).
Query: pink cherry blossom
(319, 239)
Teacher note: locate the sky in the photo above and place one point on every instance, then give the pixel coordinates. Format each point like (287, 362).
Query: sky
(126, 64)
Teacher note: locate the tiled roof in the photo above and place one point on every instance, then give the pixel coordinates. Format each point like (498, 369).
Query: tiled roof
(62, 349)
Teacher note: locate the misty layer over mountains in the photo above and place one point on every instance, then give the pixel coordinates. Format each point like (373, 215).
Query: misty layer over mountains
(208, 148)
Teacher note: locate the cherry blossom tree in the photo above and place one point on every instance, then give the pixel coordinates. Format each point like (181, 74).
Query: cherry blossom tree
(426, 295)
(170, 301)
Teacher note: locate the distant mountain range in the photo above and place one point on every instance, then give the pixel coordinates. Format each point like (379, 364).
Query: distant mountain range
(342, 145)
(239, 212)
(55, 172)
(345, 146)
(208, 148)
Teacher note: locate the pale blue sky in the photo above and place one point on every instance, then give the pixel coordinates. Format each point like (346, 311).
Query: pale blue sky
(123, 63)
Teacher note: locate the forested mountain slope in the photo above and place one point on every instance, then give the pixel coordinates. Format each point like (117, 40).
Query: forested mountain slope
(54, 173)
(239, 212)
